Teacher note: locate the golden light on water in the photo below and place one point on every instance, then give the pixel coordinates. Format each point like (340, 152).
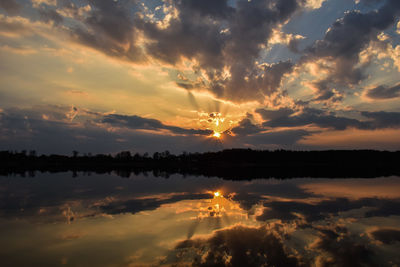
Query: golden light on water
(215, 122)
(217, 194)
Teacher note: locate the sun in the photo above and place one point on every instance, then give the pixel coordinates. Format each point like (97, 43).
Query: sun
(217, 194)
(217, 134)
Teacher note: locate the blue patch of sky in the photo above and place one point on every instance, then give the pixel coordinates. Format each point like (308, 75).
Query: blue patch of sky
(313, 24)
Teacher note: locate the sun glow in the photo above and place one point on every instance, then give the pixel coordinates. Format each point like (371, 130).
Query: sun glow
(217, 194)
(217, 134)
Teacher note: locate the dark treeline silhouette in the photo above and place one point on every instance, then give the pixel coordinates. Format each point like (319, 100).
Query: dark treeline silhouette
(228, 164)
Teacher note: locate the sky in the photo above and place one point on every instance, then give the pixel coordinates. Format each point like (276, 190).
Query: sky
(103, 76)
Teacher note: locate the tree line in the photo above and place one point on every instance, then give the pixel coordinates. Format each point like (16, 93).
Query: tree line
(229, 163)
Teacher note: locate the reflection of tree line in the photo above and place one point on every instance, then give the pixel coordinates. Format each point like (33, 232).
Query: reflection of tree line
(231, 164)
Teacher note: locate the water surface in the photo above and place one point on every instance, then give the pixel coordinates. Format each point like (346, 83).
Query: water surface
(106, 220)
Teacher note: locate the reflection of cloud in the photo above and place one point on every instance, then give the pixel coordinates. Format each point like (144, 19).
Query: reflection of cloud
(386, 236)
(384, 209)
(355, 188)
(337, 248)
(145, 204)
(314, 229)
(71, 236)
(237, 246)
(288, 210)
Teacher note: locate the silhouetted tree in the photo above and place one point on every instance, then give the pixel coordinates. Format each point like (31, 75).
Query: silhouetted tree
(32, 153)
(123, 155)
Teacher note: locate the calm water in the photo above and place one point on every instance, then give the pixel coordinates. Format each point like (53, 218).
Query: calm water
(106, 220)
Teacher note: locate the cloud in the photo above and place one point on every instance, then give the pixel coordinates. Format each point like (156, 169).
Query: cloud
(398, 27)
(386, 236)
(14, 25)
(136, 205)
(246, 127)
(42, 127)
(18, 50)
(269, 132)
(136, 122)
(225, 42)
(249, 133)
(37, 3)
(238, 246)
(283, 118)
(324, 119)
(275, 114)
(107, 27)
(384, 92)
(11, 6)
(342, 44)
(382, 119)
(50, 15)
(342, 249)
(213, 8)
(281, 138)
(314, 4)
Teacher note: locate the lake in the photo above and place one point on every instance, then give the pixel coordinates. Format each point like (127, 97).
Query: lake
(57, 219)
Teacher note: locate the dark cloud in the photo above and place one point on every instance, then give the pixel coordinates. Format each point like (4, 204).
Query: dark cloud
(283, 138)
(256, 83)
(283, 118)
(386, 236)
(239, 246)
(212, 8)
(27, 129)
(321, 118)
(382, 119)
(294, 45)
(190, 35)
(220, 36)
(257, 135)
(108, 27)
(384, 92)
(343, 42)
(136, 122)
(226, 40)
(343, 250)
(41, 128)
(111, 19)
(275, 114)
(252, 133)
(50, 15)
(246, 127)
(11, 6)
(385, 209)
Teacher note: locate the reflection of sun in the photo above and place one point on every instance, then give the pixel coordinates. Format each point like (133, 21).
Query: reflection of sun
(217, 194)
